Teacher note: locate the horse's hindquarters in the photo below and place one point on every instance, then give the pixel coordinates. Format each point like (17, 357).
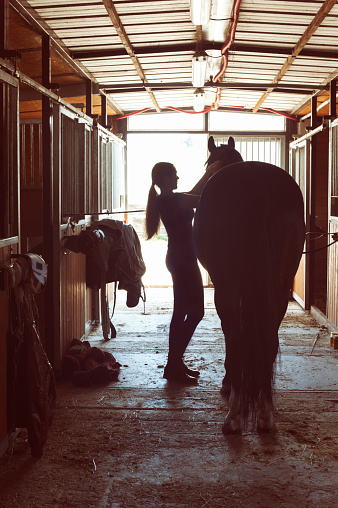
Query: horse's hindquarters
(249, 231)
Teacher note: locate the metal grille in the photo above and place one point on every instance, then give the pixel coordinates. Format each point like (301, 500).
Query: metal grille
(110, 172)
(73, 167)
(258, 148)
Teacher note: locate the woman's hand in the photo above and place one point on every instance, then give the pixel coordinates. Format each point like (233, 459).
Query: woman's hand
(214, 167)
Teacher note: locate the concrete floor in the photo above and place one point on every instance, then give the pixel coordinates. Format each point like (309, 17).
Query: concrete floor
(142, 342)
(139, 442)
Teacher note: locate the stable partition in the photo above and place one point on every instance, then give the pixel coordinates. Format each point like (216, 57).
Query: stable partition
(299, 165)
(332, 278)
(88, 180)
(9, 226)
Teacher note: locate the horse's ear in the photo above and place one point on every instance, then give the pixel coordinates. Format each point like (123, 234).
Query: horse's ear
(211, 144)
(231, 142)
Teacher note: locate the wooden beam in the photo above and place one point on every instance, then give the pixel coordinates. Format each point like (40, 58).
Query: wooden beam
(303, 40)
(115, 19)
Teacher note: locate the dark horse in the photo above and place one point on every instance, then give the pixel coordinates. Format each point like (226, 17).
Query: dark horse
(249, 232)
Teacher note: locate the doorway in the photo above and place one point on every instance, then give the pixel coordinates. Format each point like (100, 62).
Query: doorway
(188, 152)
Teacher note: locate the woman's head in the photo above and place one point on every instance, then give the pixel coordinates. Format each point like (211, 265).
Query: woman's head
(161, 173)
(164, 176)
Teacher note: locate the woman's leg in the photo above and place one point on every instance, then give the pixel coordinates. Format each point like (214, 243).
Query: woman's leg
(188, 309)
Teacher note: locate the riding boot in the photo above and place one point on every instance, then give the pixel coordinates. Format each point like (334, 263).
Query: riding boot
(176, 371)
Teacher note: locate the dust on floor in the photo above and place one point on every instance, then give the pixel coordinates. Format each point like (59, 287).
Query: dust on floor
(140, 442)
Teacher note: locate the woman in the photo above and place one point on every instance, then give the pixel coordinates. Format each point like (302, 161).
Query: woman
(177, 211)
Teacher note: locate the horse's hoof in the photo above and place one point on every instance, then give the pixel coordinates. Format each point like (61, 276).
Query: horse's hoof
(232, 426)
(226, 388)
(265, 423)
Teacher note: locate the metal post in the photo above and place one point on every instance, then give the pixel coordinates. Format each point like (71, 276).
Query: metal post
(333, 99)
(89, 99)
(4, 7)
(48, 226)
(104, 110)
(312, 224)
(314, 119)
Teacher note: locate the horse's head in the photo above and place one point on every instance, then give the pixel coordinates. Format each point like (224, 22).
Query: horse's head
(225, 153)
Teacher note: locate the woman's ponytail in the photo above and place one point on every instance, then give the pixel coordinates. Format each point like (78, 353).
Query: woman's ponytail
(160, 172)
(152, 213)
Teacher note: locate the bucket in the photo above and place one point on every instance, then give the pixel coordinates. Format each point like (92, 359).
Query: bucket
(334, 340)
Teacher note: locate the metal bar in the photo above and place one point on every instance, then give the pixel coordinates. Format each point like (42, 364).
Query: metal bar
(5, 242)
(207, 46)
(277, 90)
(307, 136)
(210, 84)
(107, 213)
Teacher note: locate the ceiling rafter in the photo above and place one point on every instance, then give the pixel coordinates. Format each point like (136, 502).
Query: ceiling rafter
(41, 27)
(304, 39)
(115, 19)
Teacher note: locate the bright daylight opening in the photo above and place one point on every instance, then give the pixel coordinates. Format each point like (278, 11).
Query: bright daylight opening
(188, 153)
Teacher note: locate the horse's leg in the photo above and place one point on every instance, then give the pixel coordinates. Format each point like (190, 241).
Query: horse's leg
(226, 383)
(233, 423)
(265, 417)
(231, 382)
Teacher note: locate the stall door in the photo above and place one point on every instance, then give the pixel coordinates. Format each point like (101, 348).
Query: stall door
(299, 169)
(9, 225)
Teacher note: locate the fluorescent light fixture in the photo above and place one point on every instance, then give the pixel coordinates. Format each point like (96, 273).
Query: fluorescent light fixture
(200, 11)
(198, 100)
(199, 68)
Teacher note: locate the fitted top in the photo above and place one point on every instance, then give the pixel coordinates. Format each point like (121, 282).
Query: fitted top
(177, 221)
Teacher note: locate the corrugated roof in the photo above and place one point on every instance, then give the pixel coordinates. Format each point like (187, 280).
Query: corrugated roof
(142, 42)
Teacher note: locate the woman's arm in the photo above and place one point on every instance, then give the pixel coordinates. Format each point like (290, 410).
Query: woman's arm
(211, 170)
(191, 199)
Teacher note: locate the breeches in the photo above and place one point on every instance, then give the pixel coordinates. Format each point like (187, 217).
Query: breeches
(188, 305)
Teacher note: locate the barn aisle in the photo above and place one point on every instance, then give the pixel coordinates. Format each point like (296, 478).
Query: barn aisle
(139, 442)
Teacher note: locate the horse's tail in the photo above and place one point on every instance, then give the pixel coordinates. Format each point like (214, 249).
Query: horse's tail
(265, 282)
(258, 310)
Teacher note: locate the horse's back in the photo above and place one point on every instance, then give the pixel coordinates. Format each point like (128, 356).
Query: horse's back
(249, 186)
(246, 205)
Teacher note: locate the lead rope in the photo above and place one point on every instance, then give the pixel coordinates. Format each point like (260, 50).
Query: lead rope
(334, 238)
(143, 298)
